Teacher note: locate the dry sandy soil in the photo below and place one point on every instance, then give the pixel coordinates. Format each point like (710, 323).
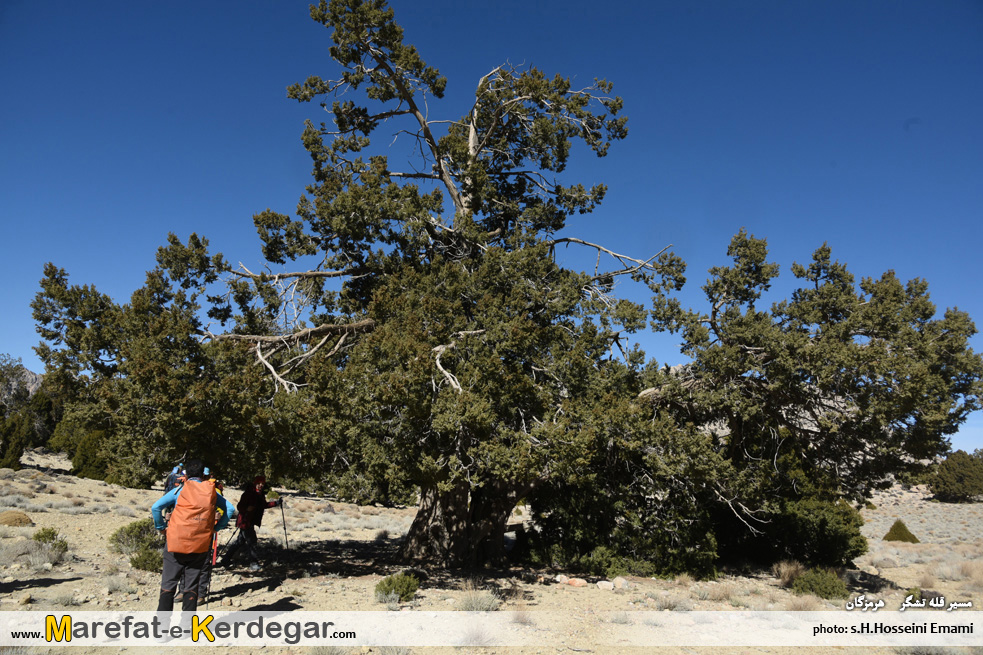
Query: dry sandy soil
(338, 552)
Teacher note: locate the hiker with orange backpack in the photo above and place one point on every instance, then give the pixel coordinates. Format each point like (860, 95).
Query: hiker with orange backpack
(189, 535)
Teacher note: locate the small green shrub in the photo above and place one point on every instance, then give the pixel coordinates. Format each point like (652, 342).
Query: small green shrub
(45, 535)
(136, 536)
(959, 478)
(820, 582)
(148, 559)
(403, 585)
(603, 561)
(900, 532)
(49, 537)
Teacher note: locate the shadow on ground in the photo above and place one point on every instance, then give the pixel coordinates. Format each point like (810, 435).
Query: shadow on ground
(353, 558)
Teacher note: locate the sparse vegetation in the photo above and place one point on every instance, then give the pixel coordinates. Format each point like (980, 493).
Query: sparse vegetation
(65, 600)
(402, 584)
(787, 571)
(48, 538)
(118, 583)
(147, 560)
(141, 541)
(476, 599)
(135, 536)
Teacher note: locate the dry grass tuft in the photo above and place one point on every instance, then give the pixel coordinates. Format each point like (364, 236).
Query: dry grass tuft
(722, 592)
(522, 615)
(806, 603)
(476, 599)
(787, 571)
(685, 580)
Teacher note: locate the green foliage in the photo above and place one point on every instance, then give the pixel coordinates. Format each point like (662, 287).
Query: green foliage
(13, 440)
(45, 535)
(900, 532)
(15, 415)
(917, 475)
(49, 537)
(824, 583)
(148, 559)
(136, 536)
(440, 349)
(85, 446)
(608, 506)
(959, 478)
(402, 585)
(825, 395)
(818, 532)
(141, 541)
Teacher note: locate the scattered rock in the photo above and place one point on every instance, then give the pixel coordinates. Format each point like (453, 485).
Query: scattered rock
(227, 602)
(25, 598)
(605, 585)
(562, 579)
(620, 583)
(577, 582)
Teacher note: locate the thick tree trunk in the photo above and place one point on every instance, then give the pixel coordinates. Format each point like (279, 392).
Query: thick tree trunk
(462, 527)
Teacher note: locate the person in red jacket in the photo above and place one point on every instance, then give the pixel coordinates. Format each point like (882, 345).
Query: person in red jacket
(251, 506)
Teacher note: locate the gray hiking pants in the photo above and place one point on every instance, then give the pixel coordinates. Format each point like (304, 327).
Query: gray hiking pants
(183, 568)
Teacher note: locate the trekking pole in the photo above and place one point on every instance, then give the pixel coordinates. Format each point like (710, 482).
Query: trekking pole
(211, 571)
(284, 519)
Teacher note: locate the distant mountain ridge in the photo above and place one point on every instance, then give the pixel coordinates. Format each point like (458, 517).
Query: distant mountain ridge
(31, 380)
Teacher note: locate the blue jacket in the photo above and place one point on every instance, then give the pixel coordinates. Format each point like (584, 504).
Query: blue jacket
(168, 500)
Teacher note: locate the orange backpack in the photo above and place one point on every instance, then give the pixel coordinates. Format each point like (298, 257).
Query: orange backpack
(193, 520)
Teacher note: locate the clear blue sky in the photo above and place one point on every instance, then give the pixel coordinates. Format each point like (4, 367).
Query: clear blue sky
(859, 124)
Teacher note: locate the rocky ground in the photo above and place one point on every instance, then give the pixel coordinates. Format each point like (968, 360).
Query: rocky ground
(337, 553)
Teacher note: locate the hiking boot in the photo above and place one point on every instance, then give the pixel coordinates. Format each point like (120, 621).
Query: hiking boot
(254, 567)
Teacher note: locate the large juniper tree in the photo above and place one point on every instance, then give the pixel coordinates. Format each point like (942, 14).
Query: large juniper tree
(435, 338)
(426, 340)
